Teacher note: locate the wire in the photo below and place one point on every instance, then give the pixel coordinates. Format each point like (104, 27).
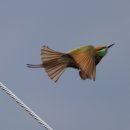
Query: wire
(25, 107)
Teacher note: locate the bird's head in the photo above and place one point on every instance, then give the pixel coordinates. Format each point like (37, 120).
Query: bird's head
(101, 51)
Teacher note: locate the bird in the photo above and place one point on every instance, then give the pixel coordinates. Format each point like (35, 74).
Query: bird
(84, 59)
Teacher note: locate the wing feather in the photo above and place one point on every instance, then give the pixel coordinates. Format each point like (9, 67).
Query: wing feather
(86, 63)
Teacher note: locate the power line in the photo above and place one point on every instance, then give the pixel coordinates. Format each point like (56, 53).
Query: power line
(25, 107)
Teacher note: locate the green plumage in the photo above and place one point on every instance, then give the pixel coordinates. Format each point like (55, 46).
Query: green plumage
(81, 49)
(100, 54)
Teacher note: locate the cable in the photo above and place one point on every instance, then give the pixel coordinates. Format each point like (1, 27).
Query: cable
(24, 106)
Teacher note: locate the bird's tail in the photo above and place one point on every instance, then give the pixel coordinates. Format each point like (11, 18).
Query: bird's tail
(53, 62)
(34, 66)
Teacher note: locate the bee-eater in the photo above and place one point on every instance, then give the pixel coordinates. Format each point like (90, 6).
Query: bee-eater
(84, 59)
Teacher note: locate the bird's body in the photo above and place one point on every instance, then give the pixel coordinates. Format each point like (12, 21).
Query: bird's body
(84, 59)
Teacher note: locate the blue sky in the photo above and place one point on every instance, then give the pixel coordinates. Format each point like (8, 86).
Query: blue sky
(71, 103)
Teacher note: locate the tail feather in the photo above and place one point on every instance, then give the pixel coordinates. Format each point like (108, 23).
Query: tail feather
(48, 54)
(53, 62)
(55, 72)
(34, 66)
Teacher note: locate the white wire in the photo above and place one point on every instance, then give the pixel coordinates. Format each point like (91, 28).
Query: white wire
(25, 107)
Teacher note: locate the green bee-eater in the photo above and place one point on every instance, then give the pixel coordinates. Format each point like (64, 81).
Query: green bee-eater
(84, 59)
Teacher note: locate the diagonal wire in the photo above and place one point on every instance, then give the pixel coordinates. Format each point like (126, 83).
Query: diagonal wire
(25, 107)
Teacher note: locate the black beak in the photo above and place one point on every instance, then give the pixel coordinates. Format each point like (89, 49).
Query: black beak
(110, 45)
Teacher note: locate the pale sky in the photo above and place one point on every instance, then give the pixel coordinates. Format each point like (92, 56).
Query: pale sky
(71, 103)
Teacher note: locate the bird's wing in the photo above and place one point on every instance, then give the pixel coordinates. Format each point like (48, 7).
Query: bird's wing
(85, 61)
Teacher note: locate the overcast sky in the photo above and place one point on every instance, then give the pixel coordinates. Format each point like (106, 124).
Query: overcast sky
(71, 103)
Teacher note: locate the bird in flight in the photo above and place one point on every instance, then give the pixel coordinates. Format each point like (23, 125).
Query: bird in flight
(84, 59)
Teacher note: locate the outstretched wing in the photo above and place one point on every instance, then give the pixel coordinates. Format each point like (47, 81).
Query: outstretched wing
(85, 60)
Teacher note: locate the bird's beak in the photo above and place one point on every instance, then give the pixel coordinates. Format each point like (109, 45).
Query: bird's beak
(110, 45)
